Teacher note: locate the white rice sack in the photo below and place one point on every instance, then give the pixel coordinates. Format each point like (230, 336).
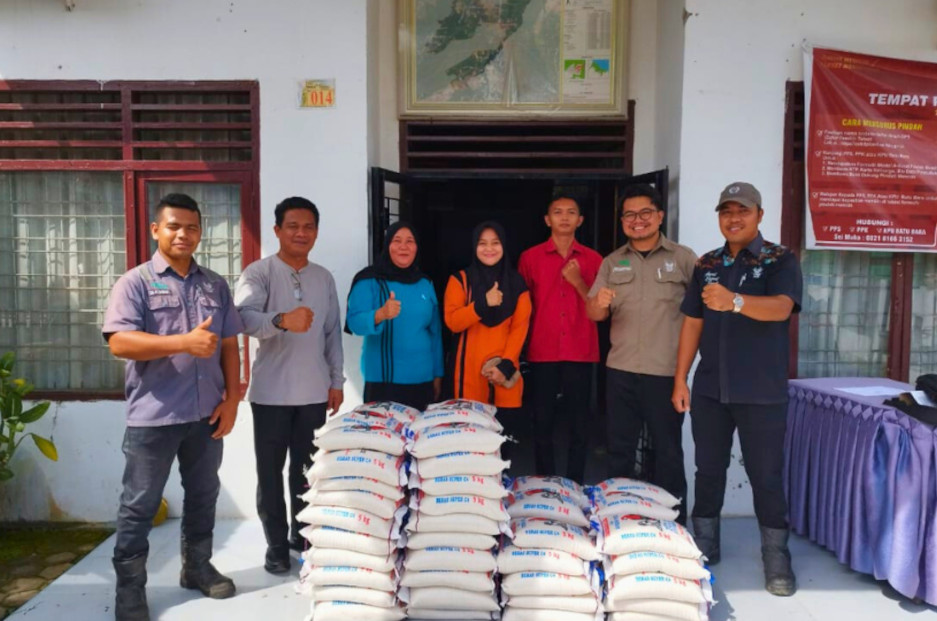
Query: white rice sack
(436, 441)
(622, 536)
(355, 595)
(454, 523)
(561, 485)
(533, 614)
(656, 586)
(460, 462)
(355, 520)
(463, 404)
(445, 598)
(648, 491)
(449, 558)
(444, 505)
(658, 562)
(471, 484)
(361, 437)
(587, 604)
(341, 539)
(342, 575)
(333, 556)
(547, 504)
(354, 499)
(362, 463)
(352, 419)
(467, 580)
(512, 559)
(553, 535)
(401, 412)
(335, 484)
(542, 583)
(448, 416)
(343, 611)
(476, 541)
(465, 615)
(659, 609)
(629, 504)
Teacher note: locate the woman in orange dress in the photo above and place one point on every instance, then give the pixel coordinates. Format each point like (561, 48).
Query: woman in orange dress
(487, 307)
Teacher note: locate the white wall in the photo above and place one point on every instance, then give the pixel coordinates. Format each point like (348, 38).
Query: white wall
(738, 55)
(320, 154)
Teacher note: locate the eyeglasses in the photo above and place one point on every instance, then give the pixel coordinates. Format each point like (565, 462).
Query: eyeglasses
(644, 214)
(297, 287)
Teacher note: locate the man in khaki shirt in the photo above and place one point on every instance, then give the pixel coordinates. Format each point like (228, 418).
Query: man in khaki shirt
(640, 286)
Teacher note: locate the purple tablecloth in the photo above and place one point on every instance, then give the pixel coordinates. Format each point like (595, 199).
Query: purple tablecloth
(861, 481)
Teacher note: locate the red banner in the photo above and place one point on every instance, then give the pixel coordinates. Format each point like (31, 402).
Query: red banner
(872, 152)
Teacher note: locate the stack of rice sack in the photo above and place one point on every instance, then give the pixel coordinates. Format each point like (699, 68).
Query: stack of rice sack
(357, 504)
(457, 511)
(548, 569)
(654, 568)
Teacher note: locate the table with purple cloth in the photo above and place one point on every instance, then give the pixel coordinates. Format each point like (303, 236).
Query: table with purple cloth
(860, 480)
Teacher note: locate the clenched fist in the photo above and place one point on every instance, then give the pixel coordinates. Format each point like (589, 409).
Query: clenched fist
(298, 320)
(604, 297)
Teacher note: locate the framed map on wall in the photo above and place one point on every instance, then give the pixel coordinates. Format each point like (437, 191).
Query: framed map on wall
(513, 57)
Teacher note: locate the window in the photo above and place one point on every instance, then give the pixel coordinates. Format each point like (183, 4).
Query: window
(858, 313)
(81, 166)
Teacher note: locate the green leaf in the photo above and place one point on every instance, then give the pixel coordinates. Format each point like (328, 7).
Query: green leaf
(35, 413)
(7, 361)
(5, 474)
(46, 447)
(17, 405)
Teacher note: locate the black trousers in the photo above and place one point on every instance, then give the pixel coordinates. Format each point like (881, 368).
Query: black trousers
(150, 452)
(278, 430)
(415, 395)
(761, 434)
(633, 400)
(565, 386)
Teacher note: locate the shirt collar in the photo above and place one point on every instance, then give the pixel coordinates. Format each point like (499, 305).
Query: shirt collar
(753, 248)
(160, 265)
(662, 242)
(574, 247)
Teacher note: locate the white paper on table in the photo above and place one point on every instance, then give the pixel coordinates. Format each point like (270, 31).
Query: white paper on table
(872, 391)
(922, 399)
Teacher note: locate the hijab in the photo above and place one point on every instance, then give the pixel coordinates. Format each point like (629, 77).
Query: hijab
(481, 278)
(384, 269)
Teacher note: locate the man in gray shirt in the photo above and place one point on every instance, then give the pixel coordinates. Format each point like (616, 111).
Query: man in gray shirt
(290, 305)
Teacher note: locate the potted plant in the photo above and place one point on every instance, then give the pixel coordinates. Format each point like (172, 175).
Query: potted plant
(13, 419)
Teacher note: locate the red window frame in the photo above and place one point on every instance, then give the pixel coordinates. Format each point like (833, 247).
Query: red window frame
(137, 172)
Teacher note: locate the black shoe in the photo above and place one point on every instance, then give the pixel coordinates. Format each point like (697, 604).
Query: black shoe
(706, 534)
(779, 577)
(297, 544)
(277, 560)
(198, 572)
(130, 604)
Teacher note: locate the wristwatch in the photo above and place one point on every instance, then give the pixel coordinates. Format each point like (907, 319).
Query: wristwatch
(278, 321)
(737, 302)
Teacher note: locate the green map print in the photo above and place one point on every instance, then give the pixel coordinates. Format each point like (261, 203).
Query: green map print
(487, 50)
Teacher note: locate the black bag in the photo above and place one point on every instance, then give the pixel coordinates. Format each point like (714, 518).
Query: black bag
(906, 403)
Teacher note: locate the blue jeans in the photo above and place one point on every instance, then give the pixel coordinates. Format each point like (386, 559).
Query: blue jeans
(149, 452)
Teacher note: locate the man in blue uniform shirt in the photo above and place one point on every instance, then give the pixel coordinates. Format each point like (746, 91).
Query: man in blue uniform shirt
(737, 312)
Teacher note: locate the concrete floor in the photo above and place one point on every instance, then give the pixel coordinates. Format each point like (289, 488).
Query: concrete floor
(828, 590)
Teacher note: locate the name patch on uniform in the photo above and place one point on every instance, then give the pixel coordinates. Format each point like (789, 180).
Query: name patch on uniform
(160, 291)
(626, 268)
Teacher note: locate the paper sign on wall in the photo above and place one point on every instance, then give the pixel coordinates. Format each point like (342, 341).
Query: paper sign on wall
(317, 94)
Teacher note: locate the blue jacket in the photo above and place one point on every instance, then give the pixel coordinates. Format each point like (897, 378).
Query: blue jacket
(403, 350)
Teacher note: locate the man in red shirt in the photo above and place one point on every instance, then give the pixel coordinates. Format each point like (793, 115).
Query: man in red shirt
(564, 343)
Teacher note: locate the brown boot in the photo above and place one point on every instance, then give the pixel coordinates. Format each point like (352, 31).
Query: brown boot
(198, 572)
(779, 577)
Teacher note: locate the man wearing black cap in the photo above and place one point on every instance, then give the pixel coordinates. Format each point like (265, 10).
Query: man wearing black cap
(737, 311)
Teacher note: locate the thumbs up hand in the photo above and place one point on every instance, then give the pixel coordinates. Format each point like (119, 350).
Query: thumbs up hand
(389, 310)
(201, 342)
(494, 296)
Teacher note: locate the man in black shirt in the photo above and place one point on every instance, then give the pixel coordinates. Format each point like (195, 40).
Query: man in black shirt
(737, 311)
